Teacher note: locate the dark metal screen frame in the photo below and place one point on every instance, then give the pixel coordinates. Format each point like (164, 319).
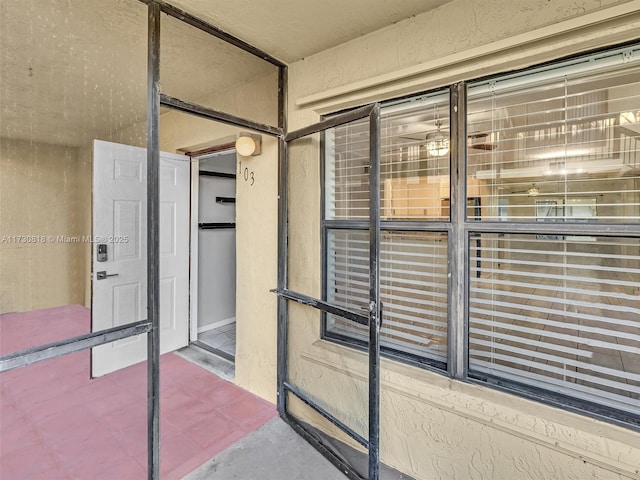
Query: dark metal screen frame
(372, 319)
(433, 226)
(150, 326)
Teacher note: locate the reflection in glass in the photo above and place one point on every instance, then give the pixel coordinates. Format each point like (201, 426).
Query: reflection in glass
(415, 159)
(573, 140)
(560, 313)
(413, 289)
(414, 163)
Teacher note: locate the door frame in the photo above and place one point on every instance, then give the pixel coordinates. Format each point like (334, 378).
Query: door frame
(372, 318)
(194, 231)
(193, 249)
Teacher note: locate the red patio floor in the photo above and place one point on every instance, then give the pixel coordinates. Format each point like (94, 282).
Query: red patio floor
(56, 423)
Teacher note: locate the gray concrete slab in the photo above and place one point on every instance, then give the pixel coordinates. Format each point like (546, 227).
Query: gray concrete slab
(207, 360)
(275, 452)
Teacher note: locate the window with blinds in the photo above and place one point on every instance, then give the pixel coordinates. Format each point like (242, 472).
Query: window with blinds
(561, 145)
(346, 153)
(413, 289)
(551, 277)
(414, 172)
(562, 315)
(558, 311)
(414, 165)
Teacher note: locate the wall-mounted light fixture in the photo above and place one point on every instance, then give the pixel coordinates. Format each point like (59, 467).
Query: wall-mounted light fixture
(249, 144)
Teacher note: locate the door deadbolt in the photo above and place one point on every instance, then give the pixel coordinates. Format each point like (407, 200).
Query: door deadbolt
(102, 252)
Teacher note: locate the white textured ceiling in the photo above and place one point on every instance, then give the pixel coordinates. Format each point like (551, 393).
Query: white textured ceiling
(74, 70)
(293, 29)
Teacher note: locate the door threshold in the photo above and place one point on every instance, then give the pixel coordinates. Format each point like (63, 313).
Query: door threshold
(214, 350)
(209, 361)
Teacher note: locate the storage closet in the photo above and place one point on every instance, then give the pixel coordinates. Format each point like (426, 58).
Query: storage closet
(217, 253)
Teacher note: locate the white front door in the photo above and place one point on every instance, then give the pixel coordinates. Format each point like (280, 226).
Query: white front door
(120, 251)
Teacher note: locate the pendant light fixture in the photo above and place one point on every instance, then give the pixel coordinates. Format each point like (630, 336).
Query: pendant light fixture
(437, 144)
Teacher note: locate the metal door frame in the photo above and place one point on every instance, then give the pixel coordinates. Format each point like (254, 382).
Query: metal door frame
(372, 319)
(150, 326)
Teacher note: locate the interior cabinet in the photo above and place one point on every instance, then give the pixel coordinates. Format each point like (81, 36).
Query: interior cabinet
(426, 197)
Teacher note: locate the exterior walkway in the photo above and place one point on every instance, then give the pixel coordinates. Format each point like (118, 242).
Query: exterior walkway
(56, 423)
(274, 452)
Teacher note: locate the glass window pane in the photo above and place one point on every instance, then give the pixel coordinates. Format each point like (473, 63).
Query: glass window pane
(346, 163)
(413, 288)
(571, 142)
(348, 273)
(414, 164)
(558, 312)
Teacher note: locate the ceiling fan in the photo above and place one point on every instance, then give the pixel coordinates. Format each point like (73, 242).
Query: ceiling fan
(437, 144)
(480, 141)
(532, 191)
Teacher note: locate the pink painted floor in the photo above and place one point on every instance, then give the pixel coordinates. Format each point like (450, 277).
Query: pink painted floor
(56, 423)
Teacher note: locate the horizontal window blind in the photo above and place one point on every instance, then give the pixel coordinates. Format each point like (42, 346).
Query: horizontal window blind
(414, 168)
(346, 152)
(570, 142)
(414, 165)
(557, 143)
(562, 314)
(413, 278)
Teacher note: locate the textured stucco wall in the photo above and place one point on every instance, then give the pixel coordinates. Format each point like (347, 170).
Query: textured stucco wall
(434, 427)
(43, 192)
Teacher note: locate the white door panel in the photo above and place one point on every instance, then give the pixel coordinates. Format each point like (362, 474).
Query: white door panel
(119, 218)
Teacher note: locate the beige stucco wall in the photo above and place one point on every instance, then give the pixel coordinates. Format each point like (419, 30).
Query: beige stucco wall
(43, 193)
(434, 427)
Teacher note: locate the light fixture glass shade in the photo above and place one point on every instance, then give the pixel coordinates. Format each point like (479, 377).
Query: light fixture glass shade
(533, 191)
(245, 146)
(438, 145)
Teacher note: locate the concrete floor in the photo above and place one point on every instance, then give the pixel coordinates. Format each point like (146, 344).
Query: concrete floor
(275, 452)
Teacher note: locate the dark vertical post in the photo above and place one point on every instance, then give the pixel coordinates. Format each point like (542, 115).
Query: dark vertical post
(375, 308)
(283, 82)
(283, 215)
(456, 245)
(153, 242)
(282, 278)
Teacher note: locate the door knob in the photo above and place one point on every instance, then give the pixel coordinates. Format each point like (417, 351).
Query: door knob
(103, 274)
